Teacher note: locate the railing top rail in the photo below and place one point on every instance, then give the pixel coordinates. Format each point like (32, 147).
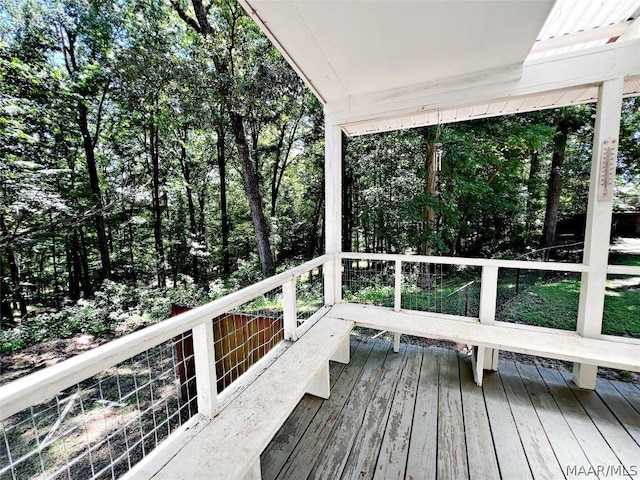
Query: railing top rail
(623, 270)
(480, 262)
(44, 384)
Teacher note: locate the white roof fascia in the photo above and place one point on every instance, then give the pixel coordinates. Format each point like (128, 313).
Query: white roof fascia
(273, 39)
(574, 69)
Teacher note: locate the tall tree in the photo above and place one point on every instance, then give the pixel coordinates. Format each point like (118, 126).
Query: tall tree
(86, 35)
(567, 120)
(223, 43)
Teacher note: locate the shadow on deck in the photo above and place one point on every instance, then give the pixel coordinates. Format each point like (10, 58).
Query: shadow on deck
(418, 415)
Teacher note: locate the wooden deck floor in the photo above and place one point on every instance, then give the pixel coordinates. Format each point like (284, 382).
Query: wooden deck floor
(418, 415)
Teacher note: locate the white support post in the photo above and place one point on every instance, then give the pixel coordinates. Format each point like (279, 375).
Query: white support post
(343, 353)
(598, 228)
(397, 302)
(328, 272)
(205, 363)
(488, 297)
(333, 211)
(290, 320)
(321, 385)
(396, 342)
(478, 364)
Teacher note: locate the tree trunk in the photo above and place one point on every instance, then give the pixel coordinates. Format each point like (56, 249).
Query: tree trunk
(73, 280)
(555, 185)
(54, 259)
(154, 151)
(533, 192)
(315, 242)
(96, 193)
(6, 310)
(224, 214)
(347, 202)
(428, 215)
(84, 263)
(193, 226)
(252, 191)
(132, 261)
(14, 270)
(200, 23)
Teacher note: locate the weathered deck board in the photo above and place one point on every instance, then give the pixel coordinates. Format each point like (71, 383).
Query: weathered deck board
(535, 443)
(621, 408)
(481, 452)
(423, 447)
(418, 415)
(508, 446)
(394, 451)
(307, 451)
(452, 458)
(564, 443)
(276, 454)
(617, 437)
(330, 460)
(361, 462)
(593, 444)
(629, 391)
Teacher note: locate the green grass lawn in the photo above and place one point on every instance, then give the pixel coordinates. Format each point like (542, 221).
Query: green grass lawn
(624, 259)
(555, 305)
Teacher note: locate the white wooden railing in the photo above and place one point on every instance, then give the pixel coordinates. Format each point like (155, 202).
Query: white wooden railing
(22, 398)
(56, 389)
(488, 282)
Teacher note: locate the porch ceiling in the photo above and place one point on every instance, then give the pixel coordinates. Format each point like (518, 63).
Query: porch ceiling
(385, 65)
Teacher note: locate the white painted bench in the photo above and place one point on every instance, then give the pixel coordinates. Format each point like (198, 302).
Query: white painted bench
(611, 352)
(229, 446)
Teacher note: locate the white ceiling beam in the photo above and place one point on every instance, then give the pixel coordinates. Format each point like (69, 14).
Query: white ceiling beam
(577, 38)
(573, 69)
(633, 28)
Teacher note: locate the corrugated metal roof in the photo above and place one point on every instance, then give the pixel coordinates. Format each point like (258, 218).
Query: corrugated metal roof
(577, 24)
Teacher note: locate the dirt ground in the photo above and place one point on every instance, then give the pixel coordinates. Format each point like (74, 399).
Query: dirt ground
(43, 355)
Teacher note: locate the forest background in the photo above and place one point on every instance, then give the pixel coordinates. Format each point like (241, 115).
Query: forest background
(160, 152)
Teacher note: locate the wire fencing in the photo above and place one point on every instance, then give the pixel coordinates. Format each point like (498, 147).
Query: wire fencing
(102, 426)
(309, 294)
(426, 287)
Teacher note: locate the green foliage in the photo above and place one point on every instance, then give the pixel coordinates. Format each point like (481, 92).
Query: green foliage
(152, 87)
(115, 309)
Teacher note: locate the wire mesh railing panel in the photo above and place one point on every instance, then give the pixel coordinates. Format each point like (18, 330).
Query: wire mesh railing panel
(101, 427)
(538, 297)
(622, 306)
(439, 288)
(309, 294)
(246, 334)
(368, 282)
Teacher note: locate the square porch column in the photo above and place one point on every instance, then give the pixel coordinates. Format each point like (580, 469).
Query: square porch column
(598, 227)
(333, 210)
